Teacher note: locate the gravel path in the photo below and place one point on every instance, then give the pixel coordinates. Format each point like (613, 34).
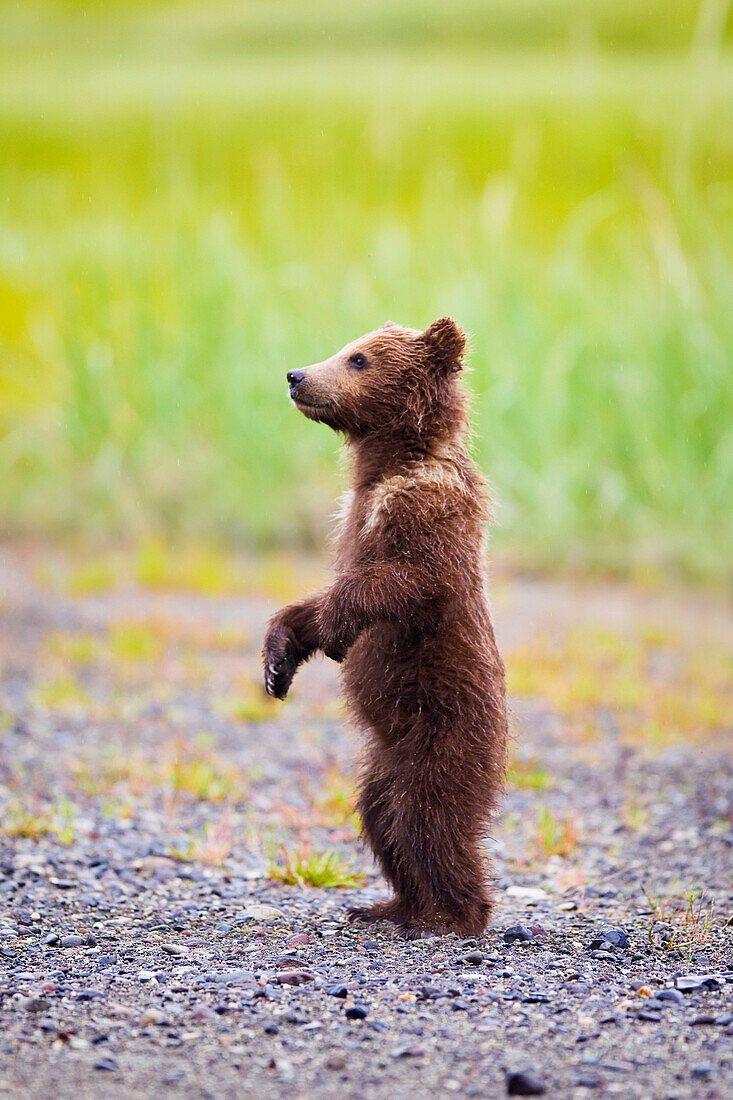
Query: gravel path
(147, 790)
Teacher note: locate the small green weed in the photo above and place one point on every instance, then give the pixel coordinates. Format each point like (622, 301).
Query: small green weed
(135, 641)
(59, 820)
(556, 837)
(91, 578)
(251, 704)
(176, 767)
(212, 845)
(74, 648)
(680, 922)
(336, 806)
(203, 569)
(304, 867)
(528, 774)
(64, 694)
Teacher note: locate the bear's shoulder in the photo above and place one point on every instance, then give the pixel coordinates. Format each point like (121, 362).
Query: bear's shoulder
(433, 486)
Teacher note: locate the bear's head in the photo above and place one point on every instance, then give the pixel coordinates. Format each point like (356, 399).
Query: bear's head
(396, 383)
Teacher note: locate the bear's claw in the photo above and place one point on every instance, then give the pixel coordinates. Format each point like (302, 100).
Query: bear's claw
(407, 931)
(389, 909)
(280, 668)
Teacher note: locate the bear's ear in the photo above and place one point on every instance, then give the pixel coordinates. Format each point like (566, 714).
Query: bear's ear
(446, 343)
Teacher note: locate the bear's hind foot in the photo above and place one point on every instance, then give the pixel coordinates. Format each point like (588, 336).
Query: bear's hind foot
(415, 927)
(381, 910)
(406, 930)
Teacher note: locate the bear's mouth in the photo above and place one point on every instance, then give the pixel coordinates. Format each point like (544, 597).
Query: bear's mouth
(302, 403)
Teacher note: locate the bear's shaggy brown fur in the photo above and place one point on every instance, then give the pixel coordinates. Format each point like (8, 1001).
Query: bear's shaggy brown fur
(408, 617)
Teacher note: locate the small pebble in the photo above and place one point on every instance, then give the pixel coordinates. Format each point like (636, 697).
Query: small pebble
(688, 983)
(152, 1016)
(299, 940)
(518, 932)
(107, 1064)
(669, 995)
(260, 912)
(524, 1084)
(293, 977)
(610, 937)
(357, 1012)
(472, 958)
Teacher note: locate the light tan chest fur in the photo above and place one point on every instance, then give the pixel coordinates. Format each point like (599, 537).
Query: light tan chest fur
(437, 478)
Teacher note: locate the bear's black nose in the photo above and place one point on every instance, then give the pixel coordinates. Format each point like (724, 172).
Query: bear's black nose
(295, 377)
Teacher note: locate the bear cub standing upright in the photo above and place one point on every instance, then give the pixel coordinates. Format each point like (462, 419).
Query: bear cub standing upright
(407, 615)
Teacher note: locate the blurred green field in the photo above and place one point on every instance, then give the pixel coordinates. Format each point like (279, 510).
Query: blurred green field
(196, 197)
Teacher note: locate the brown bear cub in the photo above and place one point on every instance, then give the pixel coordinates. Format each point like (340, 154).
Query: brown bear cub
(408, 617)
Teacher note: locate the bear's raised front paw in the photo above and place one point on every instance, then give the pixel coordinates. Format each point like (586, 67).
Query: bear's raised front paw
(280, 665)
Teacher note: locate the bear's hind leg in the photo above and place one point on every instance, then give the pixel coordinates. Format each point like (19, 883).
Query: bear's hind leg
(375, 809)
(439, 842)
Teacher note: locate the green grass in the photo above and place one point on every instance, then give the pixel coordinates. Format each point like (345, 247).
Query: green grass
(198, 197)
(304, 867)
(59, 821)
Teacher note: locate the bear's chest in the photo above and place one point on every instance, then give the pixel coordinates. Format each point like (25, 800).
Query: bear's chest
(359, 519)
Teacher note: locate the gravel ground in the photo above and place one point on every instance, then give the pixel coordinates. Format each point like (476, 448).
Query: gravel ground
(146, 786)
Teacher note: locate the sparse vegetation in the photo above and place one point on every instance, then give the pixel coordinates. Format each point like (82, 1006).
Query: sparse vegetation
(192, 568)
(91, 578)
(336, 802)
(634, 814)
(177, 767)
(251, 704)
(682, 921)
(556, 837)
(302, 866)
(135, 641)
(591, 668)
(23, 823)
(59, 821)
(75, 648)
(529, 774)
(64, 694)
(200, 773)
(211, 845)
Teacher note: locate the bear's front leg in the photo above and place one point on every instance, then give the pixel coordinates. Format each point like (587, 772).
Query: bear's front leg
(391, 591)
(338, 624)
(291, 638)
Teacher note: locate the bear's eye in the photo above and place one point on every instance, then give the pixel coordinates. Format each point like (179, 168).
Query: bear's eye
(359, 361)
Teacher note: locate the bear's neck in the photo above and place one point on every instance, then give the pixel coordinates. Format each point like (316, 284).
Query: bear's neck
(375, 458)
